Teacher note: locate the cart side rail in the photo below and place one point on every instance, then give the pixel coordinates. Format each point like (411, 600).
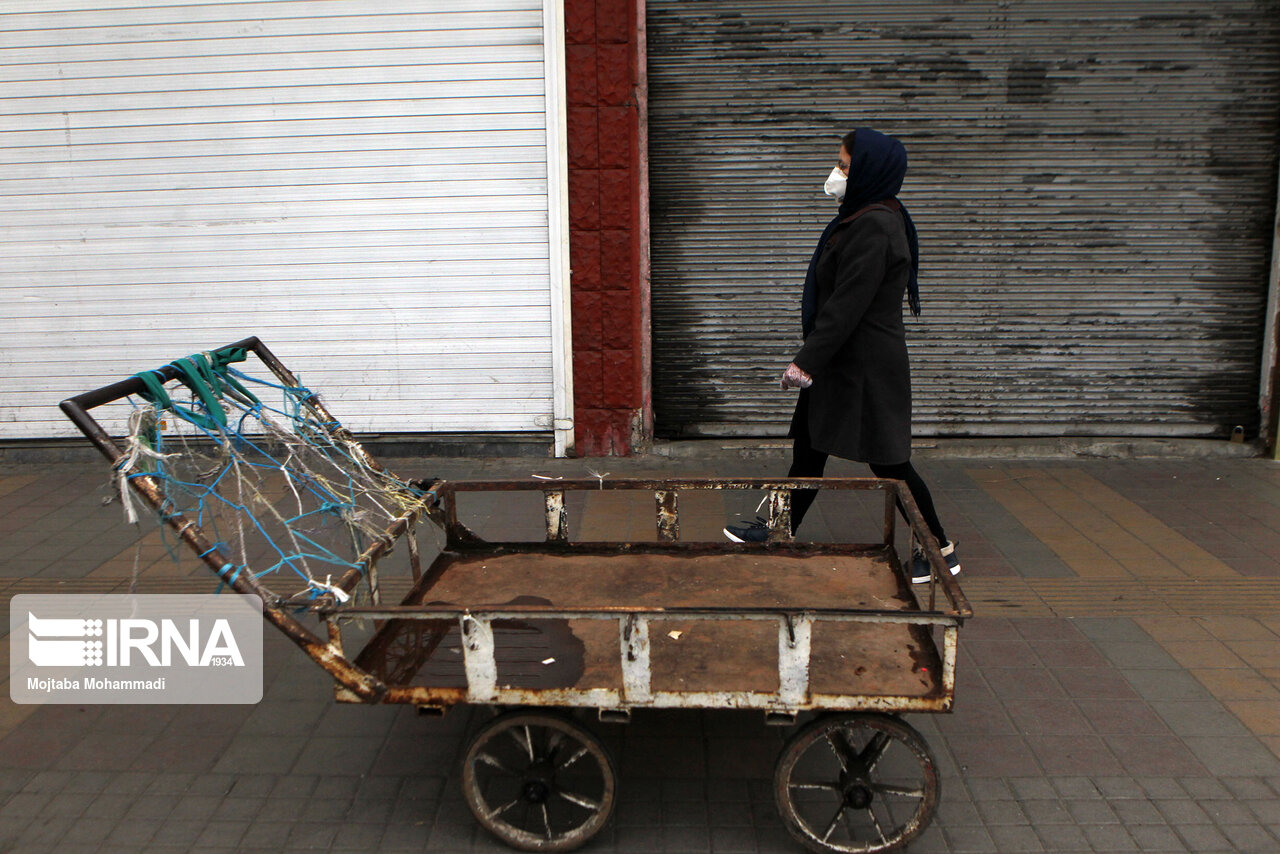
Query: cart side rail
(794, 632)
(898, 502)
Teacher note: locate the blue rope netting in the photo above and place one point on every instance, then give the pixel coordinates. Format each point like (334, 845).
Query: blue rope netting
(275, 488)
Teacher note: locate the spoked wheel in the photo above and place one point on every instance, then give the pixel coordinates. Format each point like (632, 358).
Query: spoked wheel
(856, 782)
(538, 782)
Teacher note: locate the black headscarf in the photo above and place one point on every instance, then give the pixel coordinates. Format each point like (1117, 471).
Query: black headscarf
(878, 163)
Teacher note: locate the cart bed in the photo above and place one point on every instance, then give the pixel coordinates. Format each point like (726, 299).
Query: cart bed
(687, 654)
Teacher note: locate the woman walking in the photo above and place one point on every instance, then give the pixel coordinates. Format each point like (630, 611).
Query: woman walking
(852, 371)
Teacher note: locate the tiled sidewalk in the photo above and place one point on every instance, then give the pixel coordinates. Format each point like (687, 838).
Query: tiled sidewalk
(1119, 689)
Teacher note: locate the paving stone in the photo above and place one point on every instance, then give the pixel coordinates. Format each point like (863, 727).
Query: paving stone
(1046, 812)
(1231, 755)
(630, 812)
(1118, 716)
(1203, 837)
(932, 841)
(1201, 718)
(1267, 811)
(12, 780)
(295, 786)
(1091, 812)
(1098, 683)
(317, 835)
(377, 788)
(954, 813)
(215, 785)
(994, 756)
(1109, 837)
(686, 838)
(1116, 788)
(1141, 655)
(733, 840)
(1073, 755)
(1147, 755)
(402, 837)
(1182, 812)
(27, 803)
(1247, 788)
(1077, 788)
(1205, 788)
(1032, 788)
(1120, 629)
(1156, 838)
(1003, 812)
(1161, 687)
(1135, 812)
(1052, 717)
(688, 811)
(1227, 812)
(1162, 788)
(969, 839)
(1023, 683)
(777, 841)
(729, 813)
(106, 806)
(1250, 838)
(1014, 839)
(988, 789)
(1063, 837)
(48, 781)
(87, 832)
(356, 835)
(130, 835)
(170, 784)
(195, 807)
(177, 832)
(252, 785)
(332, 787)
(150, 807)
(222, 833)
(765, 815)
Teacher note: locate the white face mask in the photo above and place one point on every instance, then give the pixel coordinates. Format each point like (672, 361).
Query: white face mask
(836, 182)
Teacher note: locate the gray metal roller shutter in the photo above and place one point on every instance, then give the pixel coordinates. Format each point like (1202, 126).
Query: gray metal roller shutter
(1094, 185)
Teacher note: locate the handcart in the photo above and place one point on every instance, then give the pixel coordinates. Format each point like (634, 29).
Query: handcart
(832, 637)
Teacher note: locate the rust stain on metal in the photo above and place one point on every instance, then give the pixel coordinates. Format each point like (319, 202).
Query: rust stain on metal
(668, 515)
(557, 516)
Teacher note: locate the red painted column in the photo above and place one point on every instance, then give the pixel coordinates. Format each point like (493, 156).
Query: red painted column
(607, 223)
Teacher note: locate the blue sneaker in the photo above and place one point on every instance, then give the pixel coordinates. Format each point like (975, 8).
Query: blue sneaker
(920, 564)
(748, 532)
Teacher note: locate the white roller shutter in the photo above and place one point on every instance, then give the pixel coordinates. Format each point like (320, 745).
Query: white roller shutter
(376, 190)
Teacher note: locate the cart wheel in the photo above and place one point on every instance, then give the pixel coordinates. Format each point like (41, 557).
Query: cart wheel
(856, 782)
(538, 782)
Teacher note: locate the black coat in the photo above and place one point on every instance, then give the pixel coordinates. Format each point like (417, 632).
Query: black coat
(859, 406)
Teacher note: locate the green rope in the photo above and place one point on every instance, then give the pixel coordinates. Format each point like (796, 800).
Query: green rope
(209, 379)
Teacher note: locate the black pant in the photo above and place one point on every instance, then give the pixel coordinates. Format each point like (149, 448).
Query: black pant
(808, 462)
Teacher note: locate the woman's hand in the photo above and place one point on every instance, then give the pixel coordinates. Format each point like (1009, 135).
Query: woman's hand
(793, 377)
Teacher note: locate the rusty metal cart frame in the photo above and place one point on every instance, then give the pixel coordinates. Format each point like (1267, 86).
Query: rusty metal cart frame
(856, 740)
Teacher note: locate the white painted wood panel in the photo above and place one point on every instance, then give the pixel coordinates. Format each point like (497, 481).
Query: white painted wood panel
(364, 186)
